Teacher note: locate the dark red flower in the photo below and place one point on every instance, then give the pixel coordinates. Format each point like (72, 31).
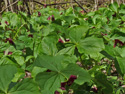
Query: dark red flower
(63, 84)
(67, 40)
(82, 12)
(30, 35)
(94, 89)
(118, 41)
(103, 34)
(53, 18)
(63, 88)
(9, 53)
(49, 18)
(108, 20)
(56, 92)
(39, 14)
(48, 70)
(114, 15)
(45, 5)
(10, 41)
(60, 40)
(61, 13)
(0, 23)
(71, 79)
(6, 23)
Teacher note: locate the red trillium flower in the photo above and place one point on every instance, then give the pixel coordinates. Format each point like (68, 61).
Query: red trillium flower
(48, 70)
(0, 23)
(67, 40)
(30, 35)
(63, 84)
(10, 41)
(82, 12)
(69, 82)
(45, 5)
(53, 19)
(39, 14)
(61, 13)
(118, 41)
(60, 40)
(94, 89)
(114, 15)
(71, 79)
(103, 34)
(9, 53)
(6, 23)
(63, 88)
(56, 92)
(49, 18)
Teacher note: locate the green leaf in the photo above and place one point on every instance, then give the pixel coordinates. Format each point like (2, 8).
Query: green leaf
(49, 62)
(102, 81)
(122, 11)
(48, 29)
(27, 86)
(112, 52)
(75, 33)
(37, 70)
(114, 7)
(49, 45)
(123, 52)
(19, 59)
(6, 60)
(90, 45)
(52, 80)
(73, 69)
(49, 80)
(121, 63)
(6, 75)
(46, 92)
(68, 50)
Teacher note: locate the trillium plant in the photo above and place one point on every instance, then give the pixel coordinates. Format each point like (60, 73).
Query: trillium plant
(63, 52)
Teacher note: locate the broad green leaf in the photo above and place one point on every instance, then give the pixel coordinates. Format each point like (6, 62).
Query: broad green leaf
(46, 30)
(68, 50)
(19, 59)
(46, 92)
(122, 11)
(6, 60)
(14, 20)
(37, 70)
(112, 52)
(95, 18)
(6, 75)
(27, 86)
(49, 45)
(114, 7)
(90, 45)
(49, 80)
(102, 81)
(50, 62)
(123, 52)
(52, 80)
(73, 69)
(121, 63)
(75, 33)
